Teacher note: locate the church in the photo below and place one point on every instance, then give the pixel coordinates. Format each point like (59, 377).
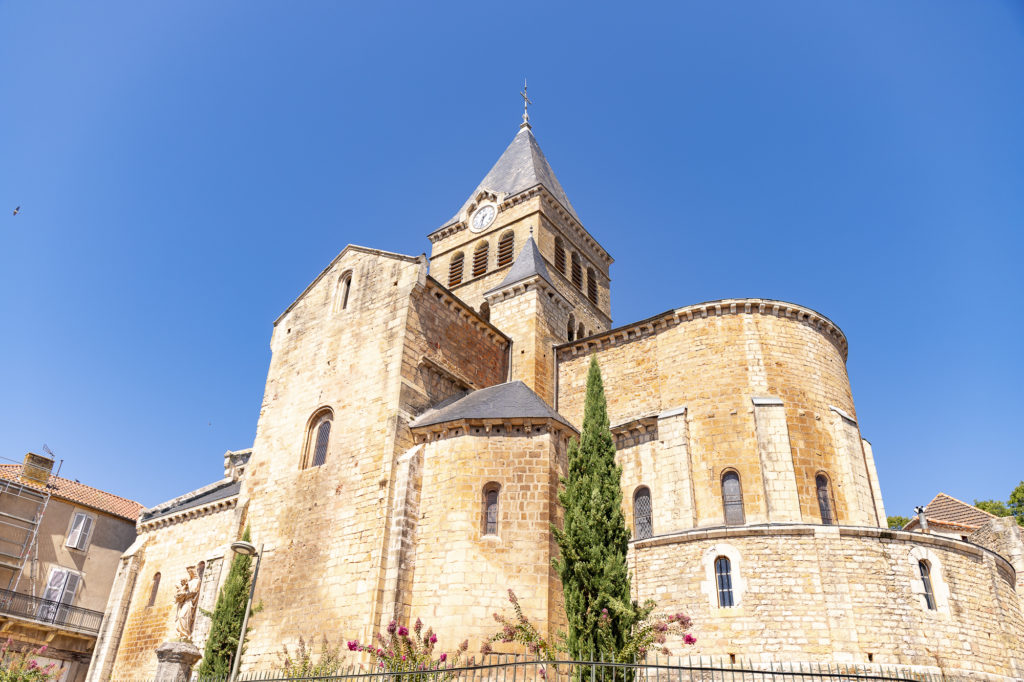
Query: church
(415, 424)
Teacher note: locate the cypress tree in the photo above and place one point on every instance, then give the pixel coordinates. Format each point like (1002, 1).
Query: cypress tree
(227, 618)
(594, 539)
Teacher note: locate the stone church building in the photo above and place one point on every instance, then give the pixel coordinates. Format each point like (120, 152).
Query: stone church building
(415, 424)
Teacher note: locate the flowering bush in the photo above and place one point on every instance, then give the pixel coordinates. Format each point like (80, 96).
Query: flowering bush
(398, 651)
(649, 633)
(302, 665)
(21, 666)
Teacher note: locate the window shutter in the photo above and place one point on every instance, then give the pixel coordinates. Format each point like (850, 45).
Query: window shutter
(455, 270)
(83, 539)
(480, 260)
(506, 249)
(76, 530)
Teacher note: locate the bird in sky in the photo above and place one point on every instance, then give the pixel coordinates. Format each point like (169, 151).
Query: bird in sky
(17, 210)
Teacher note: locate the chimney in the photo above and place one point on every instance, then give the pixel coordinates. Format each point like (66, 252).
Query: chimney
(36, 468)
(922, 520)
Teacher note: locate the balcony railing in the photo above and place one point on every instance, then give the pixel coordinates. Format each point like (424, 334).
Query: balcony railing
(50, 612)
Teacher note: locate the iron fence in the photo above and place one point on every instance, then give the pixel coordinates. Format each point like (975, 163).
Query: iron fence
(512, 668)
(50, 612)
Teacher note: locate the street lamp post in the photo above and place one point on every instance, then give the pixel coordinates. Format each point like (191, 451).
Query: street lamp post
(246, 549)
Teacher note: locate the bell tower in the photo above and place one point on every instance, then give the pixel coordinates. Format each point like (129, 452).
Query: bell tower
(521, 204)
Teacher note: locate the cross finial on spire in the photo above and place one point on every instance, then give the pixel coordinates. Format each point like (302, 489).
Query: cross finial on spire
(526, 103)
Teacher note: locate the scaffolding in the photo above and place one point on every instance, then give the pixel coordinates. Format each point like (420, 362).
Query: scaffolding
(25, 490)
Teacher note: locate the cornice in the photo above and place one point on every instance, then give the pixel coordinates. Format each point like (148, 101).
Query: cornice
(732, 306)
(524, 285)
(456, 304)
(512, 427)
(188, 514)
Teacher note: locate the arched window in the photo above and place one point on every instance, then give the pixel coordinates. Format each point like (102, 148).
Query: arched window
(580, 333)
(200, 569)
(723, 581)
(480, 259)
(319, 438)
(591, 285)
(732, 499)
(577, 271)
(506, 248)
(559, 255)
(491, 491)
(643, 527)
(154, 588)
(485, 311)
(455, 269)
(926, 579)
(824, 499)
(571, 329)
(344, 288)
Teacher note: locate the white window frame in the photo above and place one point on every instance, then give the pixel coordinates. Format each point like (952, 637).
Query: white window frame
(709, 586)
(80, 530)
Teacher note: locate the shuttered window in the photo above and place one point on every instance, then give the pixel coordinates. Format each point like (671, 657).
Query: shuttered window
(559, 255)
(591, 285)
(81, 529)
(59, 593)
(480, 260)
(577, 272)
(723, 580)
(506, 249)
(643, 525)
(824, 500)
(732, 499)
(455, 269)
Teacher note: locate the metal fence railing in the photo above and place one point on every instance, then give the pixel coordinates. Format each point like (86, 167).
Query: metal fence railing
(50, 612)
(512, 668)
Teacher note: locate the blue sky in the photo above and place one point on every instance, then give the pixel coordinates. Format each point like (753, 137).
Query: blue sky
(185, 169)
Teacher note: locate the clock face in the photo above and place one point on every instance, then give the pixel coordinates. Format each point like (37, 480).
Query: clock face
(483, 217)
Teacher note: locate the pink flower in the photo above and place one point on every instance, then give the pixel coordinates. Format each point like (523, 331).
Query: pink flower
(353, 645)
(543, 674)
(403, 658)
(443, 658)
(392, 626)
(42, 649)
(433, 639)
(403, 631)
(485, 648)
(32, 665)
(690, 639)
(418, 626)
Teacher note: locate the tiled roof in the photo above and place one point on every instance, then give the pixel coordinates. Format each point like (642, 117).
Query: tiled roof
(216, 491)
(79, 493)
(949, 511)
(504, 401)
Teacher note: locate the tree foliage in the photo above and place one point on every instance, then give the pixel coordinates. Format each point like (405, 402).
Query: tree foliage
(1014, 506)
(897, 522)
(227, 617)
(301, 664)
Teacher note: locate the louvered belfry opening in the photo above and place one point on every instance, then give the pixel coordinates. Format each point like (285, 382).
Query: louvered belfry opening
(506, 249)
(642, 523)
(732, 499)
(455, 269)
(591, 285)
(559, 255)
(480, 260)
(577, 272)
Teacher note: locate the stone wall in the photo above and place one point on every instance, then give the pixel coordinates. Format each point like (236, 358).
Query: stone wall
(839, 594)
(761, 383)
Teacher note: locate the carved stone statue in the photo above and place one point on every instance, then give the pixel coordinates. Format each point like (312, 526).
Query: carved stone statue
(186, 596)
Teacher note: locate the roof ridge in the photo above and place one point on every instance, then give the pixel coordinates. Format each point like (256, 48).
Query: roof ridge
(71, 481)
(956, 499)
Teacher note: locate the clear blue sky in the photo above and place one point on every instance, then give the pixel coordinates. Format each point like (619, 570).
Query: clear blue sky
(185, 169)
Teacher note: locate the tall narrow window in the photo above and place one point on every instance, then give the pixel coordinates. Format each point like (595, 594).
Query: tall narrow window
(480, 259)
(643, 527)
(570, 332)
(344, 290)
(485, 311)
(723, 580)
(81, 529)
(577, 272)
(491, 508)
(154, 588)
(559, 255)
(580, 332)
(319, 438)
(732, 499)
(455, 269)
(824, 499)
(926, 578)
(506, 248)
(58, 595)
(591, 285)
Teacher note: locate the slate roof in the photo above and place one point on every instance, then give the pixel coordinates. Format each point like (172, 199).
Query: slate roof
(528, 263)
(504, 401)
(521, 166)
(79, 493)
(211, 493)
(949, 511)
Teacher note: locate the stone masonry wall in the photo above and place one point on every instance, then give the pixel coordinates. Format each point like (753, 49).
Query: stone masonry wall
(461, 575)
(714, 360)
(828, 594)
